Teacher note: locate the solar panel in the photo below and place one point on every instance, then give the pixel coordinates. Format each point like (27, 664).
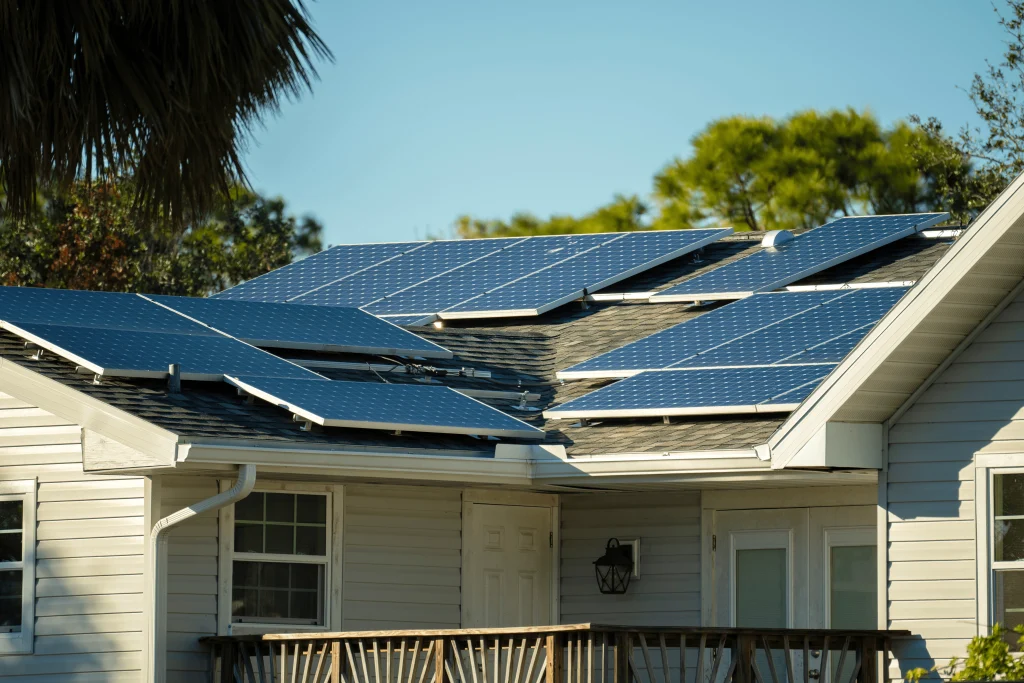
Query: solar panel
(419, 319)
(315, 271)
(110, 310)
(128, 353)
(806, 254)
(293, 326)
(507, 265)
(404, 407)
(590, 271)
(409, 269)
(658, 393)
(856, 310)
(706, 331)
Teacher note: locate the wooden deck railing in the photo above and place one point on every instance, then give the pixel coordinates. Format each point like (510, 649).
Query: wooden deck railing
(578, 653)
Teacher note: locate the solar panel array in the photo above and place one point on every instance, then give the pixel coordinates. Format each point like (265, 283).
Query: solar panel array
(414, 282)
(314, 328)
(413, 407)
(804, 255)
(764, 329)
(659, 393)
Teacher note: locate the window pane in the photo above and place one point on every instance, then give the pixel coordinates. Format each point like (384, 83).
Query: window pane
(278, 591)
(10, 514)
(10, 547)
(1010, 602)
(250, 508)
(310, 540)
(10, 599)
(248, 538)
(853, 591)
(312, 509)
(280, 507)
(1009, 494)
(1009, 539)
(762, 584)
(280, 539)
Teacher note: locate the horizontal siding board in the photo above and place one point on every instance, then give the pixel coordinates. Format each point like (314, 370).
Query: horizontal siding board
(931, 570)
(931, 550)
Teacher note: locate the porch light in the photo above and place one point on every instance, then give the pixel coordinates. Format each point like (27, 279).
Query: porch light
(614, 569)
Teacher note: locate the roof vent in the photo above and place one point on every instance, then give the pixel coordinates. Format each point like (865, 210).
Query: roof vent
(776, 238)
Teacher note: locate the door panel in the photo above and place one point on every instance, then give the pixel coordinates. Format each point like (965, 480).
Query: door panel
(507, 566)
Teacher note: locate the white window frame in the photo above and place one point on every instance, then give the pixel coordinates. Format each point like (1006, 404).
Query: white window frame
(842, 537)
(21, 642)
(764, 539)
(988, 466)
(332, 571)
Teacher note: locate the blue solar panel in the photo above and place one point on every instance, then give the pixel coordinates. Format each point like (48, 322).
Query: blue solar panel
(806, 254)
(703, 332)
(590, 272)
(315, 271)
(697, 392)
(857, 310)
(410, 407)
(407, 270)
(75, 308)
(497, 269)
(127, 353)
(294, 326)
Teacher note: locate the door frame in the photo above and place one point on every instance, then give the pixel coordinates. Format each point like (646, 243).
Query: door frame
(471, 497)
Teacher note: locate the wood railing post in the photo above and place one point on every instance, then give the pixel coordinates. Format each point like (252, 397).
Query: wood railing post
(227, 662)
(743, 651)
(337, 661)
(439, 654)
(556, 660)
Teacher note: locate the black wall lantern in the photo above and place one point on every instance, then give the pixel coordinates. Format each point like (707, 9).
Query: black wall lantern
(614, 569)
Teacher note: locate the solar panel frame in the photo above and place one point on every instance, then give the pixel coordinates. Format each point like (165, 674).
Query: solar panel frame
(680, 293)
(405, 271)
(402, 395)
(519, 261)
(68, 342)
(304, 323)
(278, 285)
(638, 394)
(712, 329)
(466, 310)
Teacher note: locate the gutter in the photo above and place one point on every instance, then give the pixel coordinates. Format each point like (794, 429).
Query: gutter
(157, 651)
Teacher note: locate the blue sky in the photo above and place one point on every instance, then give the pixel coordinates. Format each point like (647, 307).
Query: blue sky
(434, 109)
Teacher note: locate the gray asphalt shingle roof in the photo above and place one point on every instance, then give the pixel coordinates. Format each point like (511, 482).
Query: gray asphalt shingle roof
(522, 355)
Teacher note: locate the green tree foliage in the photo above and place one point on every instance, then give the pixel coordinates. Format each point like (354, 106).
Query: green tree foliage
(164, 89)
(988, 659)
(90, 237)
(623, 214)
(759, 173)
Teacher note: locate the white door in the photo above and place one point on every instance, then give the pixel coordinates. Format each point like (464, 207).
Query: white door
(796, 568)
(760, 568)
(506, 566)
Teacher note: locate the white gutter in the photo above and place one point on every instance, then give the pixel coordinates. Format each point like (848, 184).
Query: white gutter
(157, 651)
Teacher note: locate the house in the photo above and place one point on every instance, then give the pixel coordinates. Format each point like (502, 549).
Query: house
(888, 498)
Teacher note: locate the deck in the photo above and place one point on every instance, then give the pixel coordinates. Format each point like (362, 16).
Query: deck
(576, 653)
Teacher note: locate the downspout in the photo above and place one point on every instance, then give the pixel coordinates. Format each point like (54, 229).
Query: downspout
(157, 651)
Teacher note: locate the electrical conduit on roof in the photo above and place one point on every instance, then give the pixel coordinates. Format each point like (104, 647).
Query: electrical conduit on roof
(157, 651)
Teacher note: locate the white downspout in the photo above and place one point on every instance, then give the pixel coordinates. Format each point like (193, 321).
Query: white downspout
(157, 651)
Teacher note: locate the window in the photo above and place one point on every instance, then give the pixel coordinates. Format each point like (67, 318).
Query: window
(280, 565)
(17, 565)
(852, 578)
(1008, 550)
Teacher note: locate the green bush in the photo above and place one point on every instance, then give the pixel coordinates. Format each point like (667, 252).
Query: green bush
(988, 659)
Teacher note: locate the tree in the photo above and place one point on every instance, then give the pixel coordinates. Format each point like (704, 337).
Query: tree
(164, 90)
(91, 238)
(623, 214)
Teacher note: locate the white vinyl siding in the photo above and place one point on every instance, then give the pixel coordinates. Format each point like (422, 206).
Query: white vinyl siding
(89, 554)
(975, 406)
(191, 576)
(402, 557)
(667, 592)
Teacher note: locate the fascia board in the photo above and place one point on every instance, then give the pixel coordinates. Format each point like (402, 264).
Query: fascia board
(896, 325)
(88, 412)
